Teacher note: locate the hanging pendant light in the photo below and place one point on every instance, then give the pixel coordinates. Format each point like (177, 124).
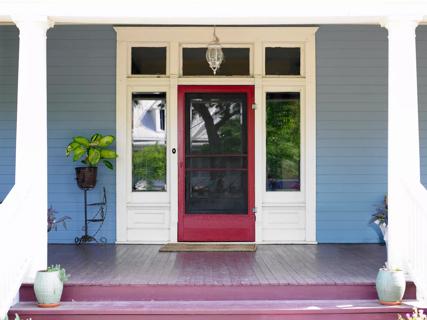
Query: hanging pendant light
(214, 54)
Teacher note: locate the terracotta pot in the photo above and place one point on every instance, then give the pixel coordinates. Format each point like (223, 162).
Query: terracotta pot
(391, 285)
(48, 289)
(86, 177)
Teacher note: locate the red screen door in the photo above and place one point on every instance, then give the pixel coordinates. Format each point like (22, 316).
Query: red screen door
(216, 163)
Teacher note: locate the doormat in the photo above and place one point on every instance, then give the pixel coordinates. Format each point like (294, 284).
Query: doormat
(208, 247)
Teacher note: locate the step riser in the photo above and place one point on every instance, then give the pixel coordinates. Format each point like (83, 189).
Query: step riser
(359, 316)
(156, 292)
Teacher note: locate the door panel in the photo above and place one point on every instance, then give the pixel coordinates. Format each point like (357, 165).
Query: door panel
(216, 191)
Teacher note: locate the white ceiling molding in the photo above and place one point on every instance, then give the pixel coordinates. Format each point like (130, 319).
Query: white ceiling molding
(226, 12)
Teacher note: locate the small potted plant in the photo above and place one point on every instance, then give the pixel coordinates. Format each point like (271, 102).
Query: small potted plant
(380, 218)
(53, 221)
(93, 151)
(17, 317)
(48, 286)
(416, 315)
(390, 285)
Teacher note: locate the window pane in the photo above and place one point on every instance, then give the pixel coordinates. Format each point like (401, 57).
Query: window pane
(216, 153)
(236, 62)
(149, 60)
(283, 141)
(149, 142)
(282, 61)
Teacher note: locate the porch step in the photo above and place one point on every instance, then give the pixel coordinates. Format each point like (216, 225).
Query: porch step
(214, 310)
(106, 292)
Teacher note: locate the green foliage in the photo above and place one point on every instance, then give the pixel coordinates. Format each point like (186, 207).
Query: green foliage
(417, 314)
(231, 136)
(283, 139)
(149, 164)
(92, 150)
(17, 317)
(63, 276)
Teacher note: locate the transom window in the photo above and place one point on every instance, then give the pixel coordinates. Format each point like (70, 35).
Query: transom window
(282, 61)
(148, 61)
(236, 62)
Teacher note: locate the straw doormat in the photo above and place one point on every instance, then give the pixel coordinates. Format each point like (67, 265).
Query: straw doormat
(208, 247)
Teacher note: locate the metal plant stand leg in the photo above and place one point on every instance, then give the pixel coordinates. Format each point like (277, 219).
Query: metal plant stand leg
(99, 217)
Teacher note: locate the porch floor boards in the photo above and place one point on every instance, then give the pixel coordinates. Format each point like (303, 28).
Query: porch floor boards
(270, 265)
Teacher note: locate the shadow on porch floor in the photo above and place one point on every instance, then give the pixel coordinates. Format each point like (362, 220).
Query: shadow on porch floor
(269, 265)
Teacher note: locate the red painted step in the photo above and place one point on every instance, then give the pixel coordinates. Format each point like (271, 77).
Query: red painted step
(87, 292)
(215, 310)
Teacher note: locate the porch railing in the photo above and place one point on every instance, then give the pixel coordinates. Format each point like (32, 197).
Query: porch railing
(15, 242)
(416, 236)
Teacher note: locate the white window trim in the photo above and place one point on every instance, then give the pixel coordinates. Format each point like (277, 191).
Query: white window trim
(257, 38)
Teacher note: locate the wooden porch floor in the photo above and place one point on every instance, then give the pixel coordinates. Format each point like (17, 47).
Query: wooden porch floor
(269, 265)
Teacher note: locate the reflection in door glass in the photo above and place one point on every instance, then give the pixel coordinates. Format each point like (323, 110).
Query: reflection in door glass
(283, 141)
(149, 142)
(216, 153)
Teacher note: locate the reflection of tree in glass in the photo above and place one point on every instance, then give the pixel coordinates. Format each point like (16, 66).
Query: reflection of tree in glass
(149, 165)
(222, 124)
(283, 139)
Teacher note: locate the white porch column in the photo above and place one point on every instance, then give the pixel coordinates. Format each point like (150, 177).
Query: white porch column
(31, 131)
(403, 131)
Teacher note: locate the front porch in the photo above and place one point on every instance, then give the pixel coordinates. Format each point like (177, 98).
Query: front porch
(269, 265)
(349, 100)
(296, 281)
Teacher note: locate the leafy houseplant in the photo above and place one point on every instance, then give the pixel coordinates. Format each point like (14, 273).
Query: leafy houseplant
(416, 315)
(17, 317)
(48, 286)
(93, 151)
(380, 218)
(53, 221)
(390, 285)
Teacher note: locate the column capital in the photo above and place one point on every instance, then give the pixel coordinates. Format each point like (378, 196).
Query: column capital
(400, 21)
(32, 21)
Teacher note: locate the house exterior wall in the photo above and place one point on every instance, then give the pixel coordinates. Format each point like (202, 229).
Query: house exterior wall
(351, 130)
(351, 121)
(81, 100)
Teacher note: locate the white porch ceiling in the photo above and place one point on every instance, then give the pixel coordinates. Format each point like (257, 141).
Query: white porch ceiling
(202, 12)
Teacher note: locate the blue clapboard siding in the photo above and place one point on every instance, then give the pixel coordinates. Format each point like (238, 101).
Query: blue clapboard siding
(351, 121)
(351, 130)
(81, 100)
(422, 96)
(8, 85)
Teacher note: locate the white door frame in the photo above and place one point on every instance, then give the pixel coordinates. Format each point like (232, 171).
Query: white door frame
(151, 217)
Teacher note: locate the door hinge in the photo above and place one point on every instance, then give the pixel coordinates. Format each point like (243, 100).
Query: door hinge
(254, 106)
(254, 210)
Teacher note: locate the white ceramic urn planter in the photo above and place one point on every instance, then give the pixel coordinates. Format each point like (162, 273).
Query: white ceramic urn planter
(48, 288)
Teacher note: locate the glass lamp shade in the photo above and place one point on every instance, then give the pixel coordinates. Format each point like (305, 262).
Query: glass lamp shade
(214, 55)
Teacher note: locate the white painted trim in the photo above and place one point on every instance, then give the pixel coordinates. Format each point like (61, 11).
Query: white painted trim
(311, 138)
(121, 213)
(256, 38)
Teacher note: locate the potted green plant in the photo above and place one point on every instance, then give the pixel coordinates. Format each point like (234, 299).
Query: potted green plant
(416, 315)
(53, 221)
(380, 218)
(17, 317)
(93, 151)
(390, 285)
(48, 286)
